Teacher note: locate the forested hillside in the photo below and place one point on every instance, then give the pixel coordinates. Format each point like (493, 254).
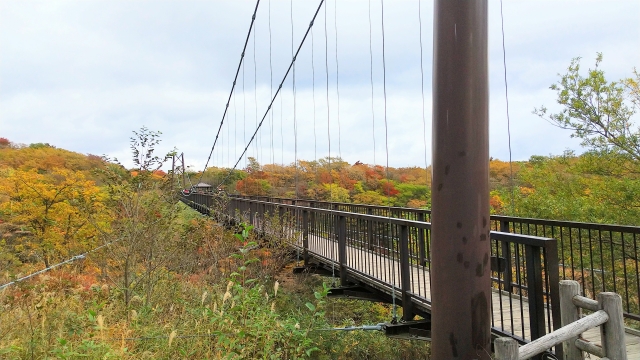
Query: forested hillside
(125, 271)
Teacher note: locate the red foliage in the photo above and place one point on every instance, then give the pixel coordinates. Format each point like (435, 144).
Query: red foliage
(389, 189)
(325, 177)
(4, 142)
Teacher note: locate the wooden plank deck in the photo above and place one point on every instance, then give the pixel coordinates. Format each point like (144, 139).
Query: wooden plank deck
(510, 312)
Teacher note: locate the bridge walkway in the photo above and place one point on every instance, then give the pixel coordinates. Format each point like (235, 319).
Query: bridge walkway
(367, 266)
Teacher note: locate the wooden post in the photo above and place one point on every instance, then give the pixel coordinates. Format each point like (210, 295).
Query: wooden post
(569, 313)
(612, 331)
(460, 223)
(506, 349)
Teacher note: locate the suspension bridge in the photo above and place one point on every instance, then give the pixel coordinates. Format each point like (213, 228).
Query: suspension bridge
(461, 276)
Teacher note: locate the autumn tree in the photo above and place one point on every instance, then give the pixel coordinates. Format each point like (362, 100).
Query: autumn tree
(601, 114)
(55, 207)
(144, 238)
(596, 110)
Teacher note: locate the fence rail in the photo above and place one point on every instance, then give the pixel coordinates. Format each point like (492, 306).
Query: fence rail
(601, 257)
(392, 253)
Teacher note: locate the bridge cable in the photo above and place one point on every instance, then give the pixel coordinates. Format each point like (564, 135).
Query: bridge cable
(258, 143)
(295, 122)
(244, 113)
(386, 144)
(70, 260)
(331, 207)
(281, 134)
(335, 26)
(373, 115)
(313, 92)
(424, 120)
(506, 96)
(235, 127)
(277, 91)
(253, 19)
(271, 86)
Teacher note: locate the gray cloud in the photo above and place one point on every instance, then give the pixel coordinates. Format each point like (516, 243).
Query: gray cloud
(83, 75)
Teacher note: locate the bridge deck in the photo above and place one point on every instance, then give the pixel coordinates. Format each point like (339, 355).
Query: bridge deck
(382, 272)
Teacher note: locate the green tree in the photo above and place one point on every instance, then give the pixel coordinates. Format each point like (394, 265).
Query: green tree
(144, 237)
(596, 110)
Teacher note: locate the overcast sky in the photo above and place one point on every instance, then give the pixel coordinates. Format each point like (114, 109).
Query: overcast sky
(82, 75)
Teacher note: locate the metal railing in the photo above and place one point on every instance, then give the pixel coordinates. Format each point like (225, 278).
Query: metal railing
(392, 254)
(601, 257)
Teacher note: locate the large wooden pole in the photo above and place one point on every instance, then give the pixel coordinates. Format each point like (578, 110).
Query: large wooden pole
(460, 279)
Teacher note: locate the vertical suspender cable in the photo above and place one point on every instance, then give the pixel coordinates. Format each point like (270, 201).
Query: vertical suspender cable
(373, 116)
(313, 92)
(255, 96)
(326, 70)
(506, 96)
(244, 113)
(228, 144)
(424, 120)
(277, 92)
(235, 129)
(253, 19)
(335, 25)
(386, 145)
(295, 124)
(271, 82)
(281, 135)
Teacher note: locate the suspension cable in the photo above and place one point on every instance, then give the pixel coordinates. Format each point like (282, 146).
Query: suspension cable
(244, 113)
(373, 115)
(313, 92)
(277, 91)
(70, 260)
(246, 41)
(335, 26)
(506, 96)
(271, 86)
(424, 120)
(386, 144)
(295, 123)
(257, 144)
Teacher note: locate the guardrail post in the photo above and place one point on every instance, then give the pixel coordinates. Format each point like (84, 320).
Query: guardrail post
(369, 230)
(422, 242)
(569, 313)
(506, 349)
(342, 248)
(405, 274)
(305, 236)
(535, 291)
(612, 331)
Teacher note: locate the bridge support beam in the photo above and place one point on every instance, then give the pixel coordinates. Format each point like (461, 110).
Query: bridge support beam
(460, 269)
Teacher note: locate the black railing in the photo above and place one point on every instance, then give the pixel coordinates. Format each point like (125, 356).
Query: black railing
(392, 254)
(600, 257)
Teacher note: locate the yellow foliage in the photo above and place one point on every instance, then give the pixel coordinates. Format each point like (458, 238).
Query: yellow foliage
(55, 207)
